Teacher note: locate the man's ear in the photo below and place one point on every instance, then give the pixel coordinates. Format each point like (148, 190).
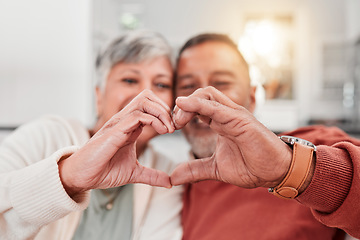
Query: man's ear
(99, 100)
(252, 103)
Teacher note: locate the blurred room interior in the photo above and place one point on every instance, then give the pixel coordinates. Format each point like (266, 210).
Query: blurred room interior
(304, 55)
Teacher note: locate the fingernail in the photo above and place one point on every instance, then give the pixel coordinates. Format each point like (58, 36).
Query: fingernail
(180, 98)
(172, 125)
(175, 116)
(175, 110)
(175, 119)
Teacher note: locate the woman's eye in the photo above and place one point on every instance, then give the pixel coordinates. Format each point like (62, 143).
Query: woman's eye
(129, 80)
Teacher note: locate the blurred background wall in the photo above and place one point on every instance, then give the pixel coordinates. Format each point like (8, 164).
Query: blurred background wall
(304, 54)
(45, 59)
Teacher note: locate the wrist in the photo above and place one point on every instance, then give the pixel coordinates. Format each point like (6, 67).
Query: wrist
(281, 169)
(286, 171)
(67, 178)
(301, 169)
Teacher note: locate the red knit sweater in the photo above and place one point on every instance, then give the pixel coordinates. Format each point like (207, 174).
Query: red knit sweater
(216, 210)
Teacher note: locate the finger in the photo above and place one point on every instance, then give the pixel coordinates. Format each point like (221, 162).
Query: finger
(157, 110)
(181, 118)
(211, 93)
(151, 177)
(148, 102)
(209, 108)
(193, 171)
(126, 129)
(137, 119)
(146, 94)
(206, 96)
(153, 97)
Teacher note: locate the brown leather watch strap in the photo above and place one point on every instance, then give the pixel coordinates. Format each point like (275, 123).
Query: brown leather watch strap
(297, 174)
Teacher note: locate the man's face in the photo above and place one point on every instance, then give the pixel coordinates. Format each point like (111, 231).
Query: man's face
(212, 64)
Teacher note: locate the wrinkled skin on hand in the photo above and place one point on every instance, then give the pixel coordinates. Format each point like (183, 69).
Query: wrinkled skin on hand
(247, 153)
(109, 158)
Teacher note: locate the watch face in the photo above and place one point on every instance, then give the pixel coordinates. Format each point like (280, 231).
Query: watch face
(292, 140)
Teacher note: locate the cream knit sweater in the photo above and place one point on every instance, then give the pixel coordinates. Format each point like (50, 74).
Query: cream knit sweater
(33, 202)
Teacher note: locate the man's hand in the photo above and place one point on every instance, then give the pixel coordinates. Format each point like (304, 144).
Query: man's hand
(109, 158)
(247, 153)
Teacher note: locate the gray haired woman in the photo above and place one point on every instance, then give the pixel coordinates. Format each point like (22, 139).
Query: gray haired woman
(48, 166)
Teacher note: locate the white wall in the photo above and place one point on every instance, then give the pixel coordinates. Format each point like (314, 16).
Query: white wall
(353, 19)
(45, 60)
(46, 47)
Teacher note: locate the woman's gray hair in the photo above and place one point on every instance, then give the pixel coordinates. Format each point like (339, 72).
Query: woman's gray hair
(134, 47)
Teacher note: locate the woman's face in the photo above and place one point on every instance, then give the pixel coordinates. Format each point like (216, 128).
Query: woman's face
(126, 80)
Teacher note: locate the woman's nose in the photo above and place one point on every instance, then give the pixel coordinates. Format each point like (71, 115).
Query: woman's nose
(141, 87)
(147, 84)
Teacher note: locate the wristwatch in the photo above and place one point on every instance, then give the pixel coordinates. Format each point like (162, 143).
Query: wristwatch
(303, 152)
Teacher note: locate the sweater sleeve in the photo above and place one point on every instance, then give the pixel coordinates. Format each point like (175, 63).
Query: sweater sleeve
(334, 192)
(30, 187)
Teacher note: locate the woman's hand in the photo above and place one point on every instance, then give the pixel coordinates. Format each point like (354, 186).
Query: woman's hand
(247, 153)
(109, 158)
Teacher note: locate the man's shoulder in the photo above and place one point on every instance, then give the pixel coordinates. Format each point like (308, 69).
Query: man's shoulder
(319, 134)
(314, 129)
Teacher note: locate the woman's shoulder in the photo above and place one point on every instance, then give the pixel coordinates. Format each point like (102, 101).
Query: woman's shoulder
(50, 129)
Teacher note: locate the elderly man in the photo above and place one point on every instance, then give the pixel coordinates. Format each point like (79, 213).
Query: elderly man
(230, 145)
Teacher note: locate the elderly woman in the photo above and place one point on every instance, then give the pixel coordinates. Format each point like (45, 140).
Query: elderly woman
(48, 166)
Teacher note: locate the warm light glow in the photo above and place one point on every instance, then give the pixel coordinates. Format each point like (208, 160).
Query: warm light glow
(267, 44)
(264, 39)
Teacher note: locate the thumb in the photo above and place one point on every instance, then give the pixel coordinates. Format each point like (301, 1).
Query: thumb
(180, 117)
(151, 177)
(193, 171)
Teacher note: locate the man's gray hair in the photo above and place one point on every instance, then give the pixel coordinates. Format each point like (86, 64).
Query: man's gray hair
(134, 47)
